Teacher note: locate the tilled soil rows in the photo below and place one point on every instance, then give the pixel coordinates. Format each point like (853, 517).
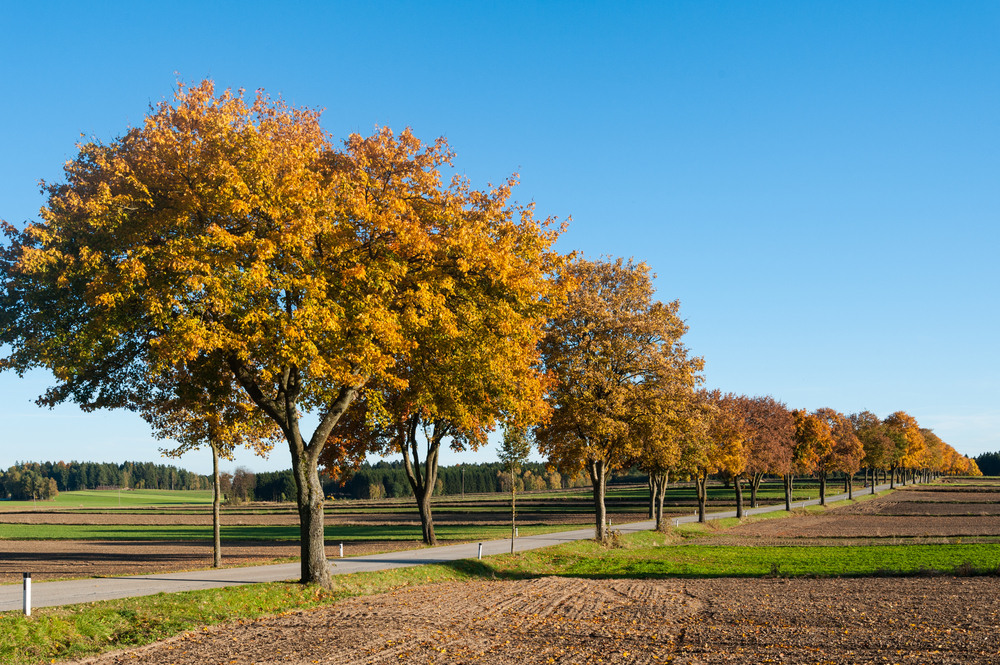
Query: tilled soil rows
(566, 620)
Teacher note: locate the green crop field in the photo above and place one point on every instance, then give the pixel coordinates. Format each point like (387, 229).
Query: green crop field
(115, 499)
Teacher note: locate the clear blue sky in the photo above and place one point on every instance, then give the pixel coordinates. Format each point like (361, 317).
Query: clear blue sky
(817, 182)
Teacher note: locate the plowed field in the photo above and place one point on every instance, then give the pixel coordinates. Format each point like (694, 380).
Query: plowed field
(566, 620)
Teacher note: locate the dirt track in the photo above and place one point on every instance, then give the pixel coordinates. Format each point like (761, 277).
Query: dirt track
(566, 620)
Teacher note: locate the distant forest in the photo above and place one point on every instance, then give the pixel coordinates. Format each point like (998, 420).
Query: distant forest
(989, 464)
(44, 480)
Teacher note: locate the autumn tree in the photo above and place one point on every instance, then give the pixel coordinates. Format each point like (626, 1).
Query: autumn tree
(603, 349)
(875, 442)
(731, 437)
(472, 362)
(236, 228)
(903, 430)
(844, 455)
(769, 429)
(667, 415)
(933, 453)
(813, 442)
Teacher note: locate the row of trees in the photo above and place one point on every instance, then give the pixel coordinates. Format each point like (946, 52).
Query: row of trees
(73, 476)
(226, 268)
(626, 393)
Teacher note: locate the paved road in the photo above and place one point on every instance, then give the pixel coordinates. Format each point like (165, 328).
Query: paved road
(47, 594)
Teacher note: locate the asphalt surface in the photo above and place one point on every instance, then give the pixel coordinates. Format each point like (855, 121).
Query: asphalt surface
(70, 592)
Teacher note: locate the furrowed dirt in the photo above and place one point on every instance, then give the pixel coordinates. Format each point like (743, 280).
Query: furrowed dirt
(567, 620)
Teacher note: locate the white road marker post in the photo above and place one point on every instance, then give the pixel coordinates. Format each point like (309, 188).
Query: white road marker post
(480, 550)
(27, 594)
(342, 550)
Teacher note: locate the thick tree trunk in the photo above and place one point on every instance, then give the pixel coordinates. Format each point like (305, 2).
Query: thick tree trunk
(822, 488)
(738, 487)
(312, 539)
(850, 486)
(659, 502)
(658, 483)
(701, 480)
(598, 478)
(651, 484)
(788, 491)
(216, 503)
(892, 477)
(281, 406)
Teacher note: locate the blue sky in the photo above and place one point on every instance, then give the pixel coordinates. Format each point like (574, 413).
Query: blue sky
(816, 182)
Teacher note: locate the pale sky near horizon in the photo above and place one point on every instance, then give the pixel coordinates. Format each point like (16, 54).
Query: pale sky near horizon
(816, 182)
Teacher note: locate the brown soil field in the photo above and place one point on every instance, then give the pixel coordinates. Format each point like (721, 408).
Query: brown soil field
(846, 525)
(890, 506)
(950, 495)
(567, 620)
(905, 513)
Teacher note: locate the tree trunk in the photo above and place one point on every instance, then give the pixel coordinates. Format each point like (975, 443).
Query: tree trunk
(850, 486)
(754, 486)
(422, 481)
(659, 486)
(788, 492)
(216, 502)
(892, 477)
(738, 487)
(659, 503)
(701, 480)
(822, 488)
(651, 484)
(281, 406)
(312, 539)
(598, 478)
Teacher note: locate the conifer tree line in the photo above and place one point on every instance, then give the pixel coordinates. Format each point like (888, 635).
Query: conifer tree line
(989, 463)
(226, 266)
(44, 480)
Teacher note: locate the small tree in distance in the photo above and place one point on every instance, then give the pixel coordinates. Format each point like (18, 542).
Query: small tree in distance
(514, 451)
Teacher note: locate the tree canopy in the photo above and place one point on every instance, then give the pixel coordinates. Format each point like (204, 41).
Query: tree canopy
(235, 229)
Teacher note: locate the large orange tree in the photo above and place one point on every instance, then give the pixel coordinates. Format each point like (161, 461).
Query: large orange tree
(234, 227)
(607, 350)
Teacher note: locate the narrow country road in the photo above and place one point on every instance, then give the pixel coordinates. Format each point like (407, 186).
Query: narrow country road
(48, 594)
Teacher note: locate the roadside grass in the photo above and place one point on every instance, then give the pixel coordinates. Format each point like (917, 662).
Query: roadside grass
(646, 555)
